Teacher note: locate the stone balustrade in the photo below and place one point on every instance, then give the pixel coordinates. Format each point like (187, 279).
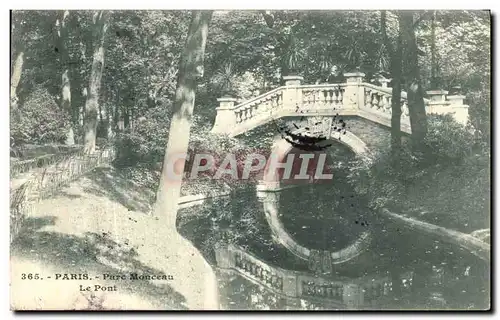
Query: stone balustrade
(354, 97)
(343, 292)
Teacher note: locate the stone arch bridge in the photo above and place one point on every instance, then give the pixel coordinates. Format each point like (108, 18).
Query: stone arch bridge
(367, 110)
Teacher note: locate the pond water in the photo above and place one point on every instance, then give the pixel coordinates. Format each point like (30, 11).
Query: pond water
(431, 274)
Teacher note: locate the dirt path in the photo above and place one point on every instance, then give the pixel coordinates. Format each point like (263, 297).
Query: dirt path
(92, 230)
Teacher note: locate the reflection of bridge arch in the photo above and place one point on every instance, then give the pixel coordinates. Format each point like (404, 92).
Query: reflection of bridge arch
(271, 182)
(271, 209)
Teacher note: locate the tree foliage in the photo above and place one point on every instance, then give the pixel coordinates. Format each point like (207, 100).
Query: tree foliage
(247, 54)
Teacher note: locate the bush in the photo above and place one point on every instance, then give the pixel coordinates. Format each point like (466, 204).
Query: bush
(146, 143)
(447, 140)
(39, 120)
(449, 186)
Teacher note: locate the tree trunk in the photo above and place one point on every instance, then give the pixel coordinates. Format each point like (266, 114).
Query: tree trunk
(91, 105)
(395, 56)
(416, 105)
(434, 77)
(62, 46)
(17, 70)
(190, 69)
(199, 285)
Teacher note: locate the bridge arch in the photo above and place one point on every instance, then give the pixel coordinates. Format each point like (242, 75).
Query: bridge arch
(271, 183)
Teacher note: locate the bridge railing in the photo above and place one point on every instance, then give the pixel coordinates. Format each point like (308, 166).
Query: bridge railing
(343, 292)
(354, 97)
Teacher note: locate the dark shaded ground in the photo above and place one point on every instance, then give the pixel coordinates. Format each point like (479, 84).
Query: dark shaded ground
(91, 254)
(121, 187)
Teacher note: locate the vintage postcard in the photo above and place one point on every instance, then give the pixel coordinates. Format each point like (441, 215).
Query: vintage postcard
(250, 160)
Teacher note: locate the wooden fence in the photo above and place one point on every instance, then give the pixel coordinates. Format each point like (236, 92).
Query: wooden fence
(41, 183)
(18, 167)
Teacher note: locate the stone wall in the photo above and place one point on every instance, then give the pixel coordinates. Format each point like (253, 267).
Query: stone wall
(377, 137)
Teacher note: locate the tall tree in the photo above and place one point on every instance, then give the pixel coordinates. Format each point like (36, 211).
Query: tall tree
(62, 48)
(17, 70)
(91, 105)
(17, 67)
(416, 105)
(395, 56)
(199, 283)
(434, 79)
(190, 70)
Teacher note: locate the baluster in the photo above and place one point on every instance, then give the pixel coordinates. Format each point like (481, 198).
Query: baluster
(280, 284)
(273, 105)
(374, 100)
(381, 102)
(368, 98)
(254, 110)
(388, 106)
(310, 288)
(324, 97)
(332, 99)
(264, 275)
(310, 102)
(244, 264)
(245, 114)
(249, 269)
(404, 108)
(259, 271)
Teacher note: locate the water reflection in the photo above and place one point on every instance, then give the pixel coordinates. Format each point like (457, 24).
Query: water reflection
(400, 269)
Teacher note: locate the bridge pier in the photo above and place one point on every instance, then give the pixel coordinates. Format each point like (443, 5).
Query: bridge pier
(226, 118)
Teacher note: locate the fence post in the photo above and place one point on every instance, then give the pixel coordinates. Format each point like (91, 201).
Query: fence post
(292, 96)
(354, 95)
